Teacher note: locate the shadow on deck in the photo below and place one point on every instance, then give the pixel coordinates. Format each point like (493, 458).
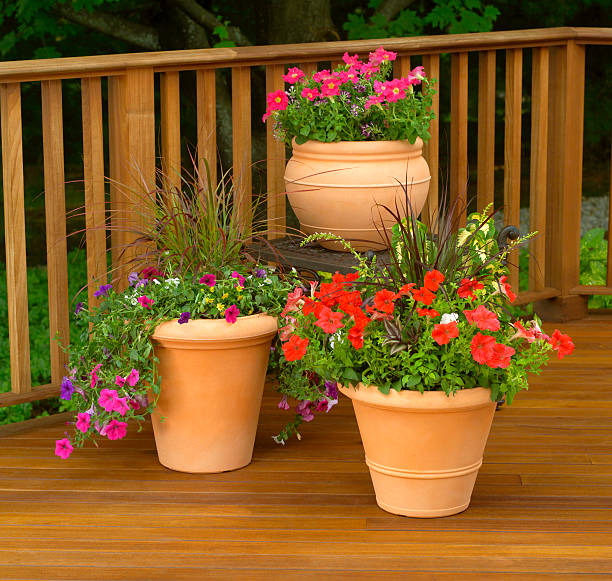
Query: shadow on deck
(541, 506)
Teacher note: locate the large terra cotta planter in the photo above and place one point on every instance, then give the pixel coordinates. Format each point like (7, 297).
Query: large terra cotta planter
(336, 187)
(212, 378)
(423, 449)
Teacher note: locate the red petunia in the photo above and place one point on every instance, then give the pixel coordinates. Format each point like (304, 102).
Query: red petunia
(442, 334)
(312, 306)
(406, 289)
(506, 288)
(427, 312)
(500, 356)
(355, 336)
(330, 293)
(295, 348)
(484, 319)
(482, 348)
(433, 278)
(383, 301)
(423, 295)
(467, 288)
(329, 321)
(561, 343)
(348, 278)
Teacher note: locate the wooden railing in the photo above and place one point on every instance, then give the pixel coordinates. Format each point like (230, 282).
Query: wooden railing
(558, 73)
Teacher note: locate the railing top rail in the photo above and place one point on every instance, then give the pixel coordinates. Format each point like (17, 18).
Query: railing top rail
(71, 67)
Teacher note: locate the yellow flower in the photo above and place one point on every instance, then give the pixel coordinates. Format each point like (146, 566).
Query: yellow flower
(250, 312)
(239, 297)
(224, 295)
(220, 307)
(209, 300)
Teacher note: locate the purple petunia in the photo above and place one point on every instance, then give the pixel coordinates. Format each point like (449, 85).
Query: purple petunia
(184, 318)
(331, 389)
(133, 278)
(67, 389)
(103, 290)
(79, 308)
(303, 409)
(260, 273)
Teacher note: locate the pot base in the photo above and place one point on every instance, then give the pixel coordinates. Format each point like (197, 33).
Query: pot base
(420, 513)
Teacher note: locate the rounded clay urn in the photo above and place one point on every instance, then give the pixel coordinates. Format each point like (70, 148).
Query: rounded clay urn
(423, 449)
(343, 188)
(212, 379)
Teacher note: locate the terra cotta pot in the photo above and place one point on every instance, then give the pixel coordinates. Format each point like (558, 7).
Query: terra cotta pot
(212, 378)
(423, 449)
(336, 187)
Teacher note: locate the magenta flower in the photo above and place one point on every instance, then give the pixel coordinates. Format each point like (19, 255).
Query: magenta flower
(107, 399)
(63, 448)
(134, 404)
(133, 377)
(184, 318)
(231, 314)
(303, 409)
(310, 94)
(115, 430)
(82, 422)
(240, 279)
(322, 405)
(293, 75)
(208, 280)
(120, 381)
(67, 389)
(121, 406)
(282, 404)
(145, 302)
(331, 389)
(94, 375)
(151, 272)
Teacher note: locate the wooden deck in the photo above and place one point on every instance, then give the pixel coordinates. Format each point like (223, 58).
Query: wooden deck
(541, 507)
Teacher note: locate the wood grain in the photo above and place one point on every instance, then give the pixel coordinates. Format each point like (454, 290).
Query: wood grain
(431, 149)
(485, 192)
(541, 505)
(539, 162)
(241, 137)
(93, 175)
(512, 151)
(275, 166)
(15, 240)
(207, 125)
(55, 219)
(459, 134)
(171, 129)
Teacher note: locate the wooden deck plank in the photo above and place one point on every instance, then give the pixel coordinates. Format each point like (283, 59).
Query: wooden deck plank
(542, 505)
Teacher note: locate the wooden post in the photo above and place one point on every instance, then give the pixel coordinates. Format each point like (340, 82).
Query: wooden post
(14, 228)
(275, 166)
(171, 129)
(459, 123)
(55, 214)
(241, 136)
(564, 195)
(432, 148)
(207, 125)
(486, 129)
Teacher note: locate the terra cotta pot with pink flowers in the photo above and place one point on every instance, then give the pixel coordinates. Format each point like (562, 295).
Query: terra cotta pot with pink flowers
(357, 140)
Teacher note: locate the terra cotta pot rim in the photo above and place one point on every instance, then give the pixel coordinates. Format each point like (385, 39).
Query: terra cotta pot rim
(414, 400)
(361, 146)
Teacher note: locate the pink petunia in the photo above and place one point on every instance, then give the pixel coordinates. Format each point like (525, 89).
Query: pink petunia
(321, 76)
(107, 399)
(145, 302)
(208, 280)
(115, 430)
(94, 375)
(374, 100)
(231, 314)
(63, 448)
(132, 378)
(82, 422)
(241, 279)
(351, 60)
(310, 94)
(293, 76)
(330, 88)
(282, 404)
(381, 55)
(121, 406)
(120, 381)
(277, 101)
(303, 409)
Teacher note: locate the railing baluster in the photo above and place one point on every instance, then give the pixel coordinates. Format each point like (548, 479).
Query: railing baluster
(15, 241)
(93, 172)
(207, 124)
(512, 150)
(241, 137)
(564, 189)
(402, 67)
(55, 217)
(486, 129)
(609, 270)
(431, 63)
(171, 128)
(539, 160)
(117, 145)
(276, 203)
(459, 123)
(308, 68)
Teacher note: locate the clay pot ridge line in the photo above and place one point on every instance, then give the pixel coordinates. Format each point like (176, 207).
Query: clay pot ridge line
(424, 474)
(369, 186)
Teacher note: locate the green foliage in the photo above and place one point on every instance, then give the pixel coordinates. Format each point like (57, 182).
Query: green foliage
(593, 261)
(448, 16)
(38, 315)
